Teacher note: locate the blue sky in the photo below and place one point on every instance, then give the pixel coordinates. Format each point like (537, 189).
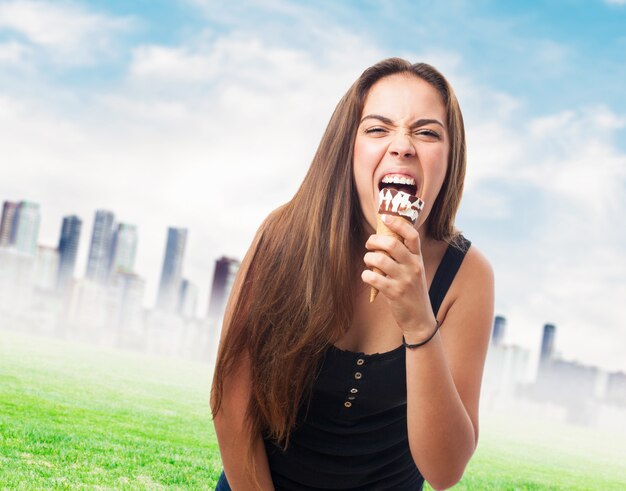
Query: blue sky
(503, 43)
(156, 110)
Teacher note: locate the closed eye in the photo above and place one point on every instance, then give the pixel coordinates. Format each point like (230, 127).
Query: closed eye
(375, 129)
(428, 133)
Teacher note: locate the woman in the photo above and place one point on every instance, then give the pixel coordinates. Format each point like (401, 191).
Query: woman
(317, 388)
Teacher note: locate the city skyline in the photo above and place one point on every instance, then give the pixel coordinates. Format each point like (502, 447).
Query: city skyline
(112, 251)
(40, 295)
(181, 295)
(157, 111)
(566, 390)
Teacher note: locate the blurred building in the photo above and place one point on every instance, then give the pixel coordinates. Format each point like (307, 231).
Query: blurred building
(16, 280)
(125, 308)
(46, 268)
(171, 273)
(223, 279)
(9, 213)
(100, 247)
(68, 248)
(188, 299)
(547, 343)
(25, 230)
(616, 389)
(569, 384)
(506, 367)
(123, 249)
(87, 306)
(499, 328)
(577, 388)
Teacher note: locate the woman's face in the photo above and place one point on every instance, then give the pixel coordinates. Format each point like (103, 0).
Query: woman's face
(402, 138)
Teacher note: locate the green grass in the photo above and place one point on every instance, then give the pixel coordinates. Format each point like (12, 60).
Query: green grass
(535, 455)
(81, 417)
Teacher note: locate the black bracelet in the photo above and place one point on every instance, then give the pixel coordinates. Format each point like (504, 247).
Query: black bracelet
(413, 346)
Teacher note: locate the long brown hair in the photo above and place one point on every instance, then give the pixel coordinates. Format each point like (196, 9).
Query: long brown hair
(297, 294)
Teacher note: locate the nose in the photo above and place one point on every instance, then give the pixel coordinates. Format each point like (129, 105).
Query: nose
(401, 146)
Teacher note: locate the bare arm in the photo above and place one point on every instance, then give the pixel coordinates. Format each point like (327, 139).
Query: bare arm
(231, 424)
(444, 375)
(232, 435)
(444, 378)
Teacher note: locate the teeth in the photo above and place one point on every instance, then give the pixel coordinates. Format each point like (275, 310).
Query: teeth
(394, 179)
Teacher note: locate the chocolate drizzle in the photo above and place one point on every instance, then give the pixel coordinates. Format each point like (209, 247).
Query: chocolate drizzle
(398, 203)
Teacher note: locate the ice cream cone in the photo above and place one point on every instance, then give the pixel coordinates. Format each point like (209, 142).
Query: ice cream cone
(381, 229)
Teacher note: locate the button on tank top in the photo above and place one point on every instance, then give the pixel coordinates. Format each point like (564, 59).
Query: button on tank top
(353, 435)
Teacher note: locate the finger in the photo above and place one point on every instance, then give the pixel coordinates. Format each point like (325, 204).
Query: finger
(404, 229)
(384, 263)
(391, 245)
(378, 281)
(383, 284)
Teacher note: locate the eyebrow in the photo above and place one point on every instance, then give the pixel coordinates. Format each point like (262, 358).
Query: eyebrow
(416, 124)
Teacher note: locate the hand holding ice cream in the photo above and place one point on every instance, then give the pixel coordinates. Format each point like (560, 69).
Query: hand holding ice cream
(397, 203)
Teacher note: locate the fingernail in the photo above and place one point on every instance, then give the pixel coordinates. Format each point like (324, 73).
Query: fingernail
(385, 218)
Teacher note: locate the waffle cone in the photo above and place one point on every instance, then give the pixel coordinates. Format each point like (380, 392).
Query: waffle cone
(381, 229)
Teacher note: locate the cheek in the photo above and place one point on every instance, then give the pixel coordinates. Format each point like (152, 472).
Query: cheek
(366, 159)
(367, 155)
(437, 163)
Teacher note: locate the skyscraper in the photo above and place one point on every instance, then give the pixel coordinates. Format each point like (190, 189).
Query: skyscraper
(547, 343)
(99, 250)
(68, 248)
(499, 326)
(9, 213)
(223, 278)
(26, 228)
(172, 269)
(123, 249)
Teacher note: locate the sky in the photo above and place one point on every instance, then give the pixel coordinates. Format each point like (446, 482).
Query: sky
(159, 111)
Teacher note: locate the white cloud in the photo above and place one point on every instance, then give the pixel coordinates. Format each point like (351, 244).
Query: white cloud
(305, 19)
(65, 30)
(248, 62)
(573, 155)
(615, 2)
(172, 64)
(551, 57)
(12, 52)
(554, 122)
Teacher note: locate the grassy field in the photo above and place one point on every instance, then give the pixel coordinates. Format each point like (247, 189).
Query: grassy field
(80, 417)
(524, 454)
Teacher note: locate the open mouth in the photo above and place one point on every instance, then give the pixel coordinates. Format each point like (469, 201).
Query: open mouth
(399, 182)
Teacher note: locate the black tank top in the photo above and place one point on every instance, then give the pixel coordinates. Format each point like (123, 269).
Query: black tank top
(354, 434)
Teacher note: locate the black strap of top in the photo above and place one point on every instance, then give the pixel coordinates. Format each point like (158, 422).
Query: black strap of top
(446, 271)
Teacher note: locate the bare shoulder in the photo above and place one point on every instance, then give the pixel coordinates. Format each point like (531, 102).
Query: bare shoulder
(472, 298)
(472, 285)
(475, 270)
